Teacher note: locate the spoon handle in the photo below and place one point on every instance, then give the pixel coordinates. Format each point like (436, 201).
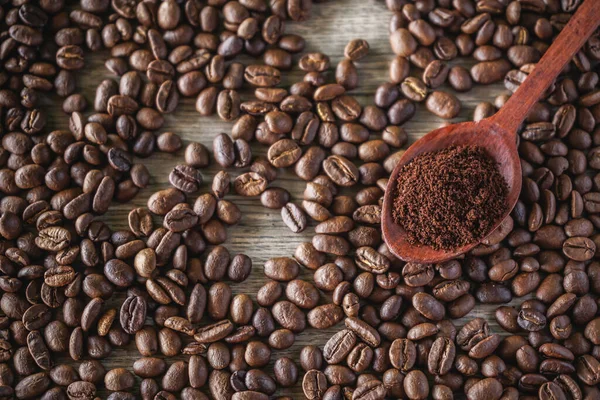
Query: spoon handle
(573, 36)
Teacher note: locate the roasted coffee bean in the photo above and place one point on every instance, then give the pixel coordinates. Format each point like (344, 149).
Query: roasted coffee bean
(281, 269)
(342, 171)
(223, 150)
(59, 276)
(370, 260)
(294, 217)
(118, 379)
(416, 385)
(185, 178)
(274, 198)
(363, 330)
(531, 320)
(133, 314)
(53, 238)
(214, 332)
(284, 153)
(486, 388)
(32, 385)
(402, 354)
(262, 75)
(442, 104)
(38, 350)
(579, 248)
(441, 356)
(339, 346)
(416, 275)
(81, 389)
(250, 184)
(314, 384)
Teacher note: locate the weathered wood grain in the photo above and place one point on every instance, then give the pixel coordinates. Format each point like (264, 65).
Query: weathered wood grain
(261, 234)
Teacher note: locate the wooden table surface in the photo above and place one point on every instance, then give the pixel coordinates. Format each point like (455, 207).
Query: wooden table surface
(261, 234)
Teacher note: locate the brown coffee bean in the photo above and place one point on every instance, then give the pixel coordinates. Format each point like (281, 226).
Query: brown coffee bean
(402, 354)
(403, 43)
(325, 316)
(289, 316)
(81, 389)
(416, 385)
(294, 217)
(38, 350)
(579, 248)
(441, 356)
(118, 379)
(53, 238)
(314, 384)
(262, 75)
(487, 72)
(185, 178)
(363, 330)
(250, 184)
(284, 153)
(341, 170)
(486, 388)
(133, 314)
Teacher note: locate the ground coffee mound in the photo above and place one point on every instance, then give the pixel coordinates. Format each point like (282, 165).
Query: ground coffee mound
(449, 198)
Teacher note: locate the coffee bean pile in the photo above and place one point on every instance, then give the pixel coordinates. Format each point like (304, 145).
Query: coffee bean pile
(399, 340)
(60, 263)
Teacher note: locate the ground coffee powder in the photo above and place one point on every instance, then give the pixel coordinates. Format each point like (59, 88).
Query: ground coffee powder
(449, 198)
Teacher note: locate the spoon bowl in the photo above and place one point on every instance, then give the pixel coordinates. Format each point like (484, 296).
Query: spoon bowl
(497, 135)
(499, 144)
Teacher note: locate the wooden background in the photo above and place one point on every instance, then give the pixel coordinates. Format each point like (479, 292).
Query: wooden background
(261, 234)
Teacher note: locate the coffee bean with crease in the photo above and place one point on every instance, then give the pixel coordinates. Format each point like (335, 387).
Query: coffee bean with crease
(59, 276)
(531, 320)
(54, 238)
(587, 369)
(403, 354)
(185, 178)
(213, 333)
(451, 290)
(140, 222)
(341, 170)
(441, 356)
(306, 128)
(37, 316)
(228, 105)
(243, 153)
(346, 108)
(369, 259)
(579, 248)
(284, 153)
(223, 150)
(294, 217)
(262, 75)
(339, 346)
(368, 214)
(414, 89)
(250, 184)
(119, 159)
(180, 218)
(38, 350)
(314, 384)
(133, 314)
(416, 275)
(472, 333)
(363, 330)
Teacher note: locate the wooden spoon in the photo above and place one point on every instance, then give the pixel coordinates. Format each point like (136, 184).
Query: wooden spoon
(497, 134)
